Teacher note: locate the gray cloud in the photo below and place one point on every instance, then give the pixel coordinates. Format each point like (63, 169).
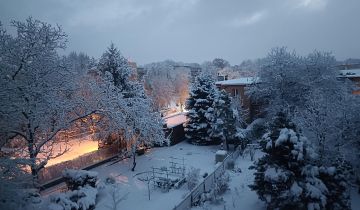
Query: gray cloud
(198, 30)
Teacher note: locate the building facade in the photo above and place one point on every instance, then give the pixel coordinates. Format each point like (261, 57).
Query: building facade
(237, 89)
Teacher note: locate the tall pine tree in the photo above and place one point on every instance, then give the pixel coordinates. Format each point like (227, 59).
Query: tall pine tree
(118, 66)
(224, 120)
(199, 104)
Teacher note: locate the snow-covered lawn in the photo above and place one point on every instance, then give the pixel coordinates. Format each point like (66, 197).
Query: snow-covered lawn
(136, 191)
(239, 196)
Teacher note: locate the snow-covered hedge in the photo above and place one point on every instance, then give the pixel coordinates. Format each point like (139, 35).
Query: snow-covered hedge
(79, 178)
(82, 199)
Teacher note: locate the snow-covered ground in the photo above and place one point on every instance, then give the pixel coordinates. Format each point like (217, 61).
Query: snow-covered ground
(136, 191)
(239, 196)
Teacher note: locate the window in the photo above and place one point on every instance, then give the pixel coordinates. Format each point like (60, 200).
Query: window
(235, 92)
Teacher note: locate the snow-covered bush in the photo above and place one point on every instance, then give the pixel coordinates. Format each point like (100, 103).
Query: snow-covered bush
(79, 178)
(336, 181)
(110, 179)
(230, 164)
(256, 129)
(192, 177)
(82, 199)
(287, 176)
(220, 186)
(250, 134)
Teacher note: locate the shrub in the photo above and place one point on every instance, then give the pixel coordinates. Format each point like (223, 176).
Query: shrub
(82, 199)
(192, 177)
(222, 184)
(230, 164)
(79, 178)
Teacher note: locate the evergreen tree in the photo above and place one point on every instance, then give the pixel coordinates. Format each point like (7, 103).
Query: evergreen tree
(199, 104)
(224, 120)
(287, 177)
(118, 66)
(336, 180)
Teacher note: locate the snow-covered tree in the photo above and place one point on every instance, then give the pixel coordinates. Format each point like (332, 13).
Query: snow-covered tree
(181, 84)
(220, 63)
(200, 115)
(141, 125)
(209, 68)
(288, 177)
(158, 83)
(118, 66)
(79, 61)
(224, 120)
(165, 84)
(308, 90)
(44, 96)
(144, 127)
(35, 90)
(280, 87)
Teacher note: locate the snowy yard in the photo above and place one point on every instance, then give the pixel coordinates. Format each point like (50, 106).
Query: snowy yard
(239, 196)
(133, 193)
(136, 191)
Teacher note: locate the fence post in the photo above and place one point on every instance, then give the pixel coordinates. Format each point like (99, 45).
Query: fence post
(191, 199)
(214, 177)
(204, 185)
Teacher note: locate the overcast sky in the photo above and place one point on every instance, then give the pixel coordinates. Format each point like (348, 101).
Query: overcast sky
(198, 30)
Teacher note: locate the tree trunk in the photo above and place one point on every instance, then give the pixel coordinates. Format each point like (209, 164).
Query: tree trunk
(321, 146)
(134, 156)
(32, 156)
(134, 162)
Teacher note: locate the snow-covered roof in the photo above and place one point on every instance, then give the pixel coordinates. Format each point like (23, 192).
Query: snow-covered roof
(349, 73)
(240, 81)
(175, 120)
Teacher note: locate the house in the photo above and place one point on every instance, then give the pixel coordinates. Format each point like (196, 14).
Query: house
(353, 75)
(236, 88)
